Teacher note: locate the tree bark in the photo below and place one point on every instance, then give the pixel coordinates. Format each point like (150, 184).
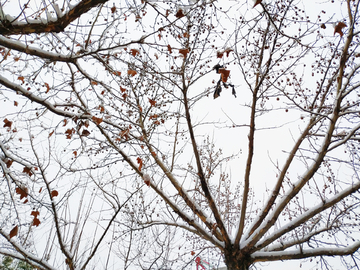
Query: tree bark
(237, 261)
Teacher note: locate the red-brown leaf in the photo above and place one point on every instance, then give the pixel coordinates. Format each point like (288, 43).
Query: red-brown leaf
(85, 133)
(132, 72)
(169, 48)
(47, 87)
(228, 51)
(152, 102)
(125, 133)
(54, 193)
(36, 222)
(27, 170)
(35, 213)
(140, 162)
(14, 231)
(338, 28)
(224, 74)
(8, 162)
(69, 132)
(21, 78)
(179, 14)
(134, 52)
(23, 192)
(147, 179)
(184, 52)
(257, 2)
(96, 119)
(7, 123)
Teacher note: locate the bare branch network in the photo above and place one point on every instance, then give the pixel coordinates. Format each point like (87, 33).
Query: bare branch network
(155, 134)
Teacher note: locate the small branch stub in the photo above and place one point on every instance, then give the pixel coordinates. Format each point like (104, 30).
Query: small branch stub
(147, 179)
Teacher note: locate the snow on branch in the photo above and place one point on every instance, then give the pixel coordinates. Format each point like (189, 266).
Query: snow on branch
(10, 26)
(35, 98)
(307, 215)
(23, 254)
(21, 47)
(302, 254)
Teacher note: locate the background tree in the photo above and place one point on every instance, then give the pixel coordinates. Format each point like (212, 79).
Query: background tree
(112, 145)
(8, 263)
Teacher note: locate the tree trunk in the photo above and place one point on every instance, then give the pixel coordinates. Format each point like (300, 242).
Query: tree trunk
(237, 261)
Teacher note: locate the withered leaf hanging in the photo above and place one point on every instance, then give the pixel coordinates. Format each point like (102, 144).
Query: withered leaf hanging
(217, 89)
(219, 68)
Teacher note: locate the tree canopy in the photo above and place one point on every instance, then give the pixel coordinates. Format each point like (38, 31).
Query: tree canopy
(145, 134)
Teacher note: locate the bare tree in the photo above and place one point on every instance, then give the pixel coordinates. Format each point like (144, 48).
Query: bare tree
(108, 149)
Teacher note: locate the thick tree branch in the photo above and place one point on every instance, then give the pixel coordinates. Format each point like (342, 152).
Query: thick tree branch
(302, 254)
(17, 28)
(307, 215)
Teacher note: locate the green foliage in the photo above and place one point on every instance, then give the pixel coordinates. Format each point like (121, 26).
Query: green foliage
(9, 263)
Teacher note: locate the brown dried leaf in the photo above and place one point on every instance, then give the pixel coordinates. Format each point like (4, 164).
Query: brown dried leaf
(132, 72)
(23, 192)
(134, 52)
(184, 52)
(96, 120)
(257, 2)
(27, 170)
(36, 222)
(152, 102)
(47, 87)
(224, 74)
(21, 78)
(85, 133)
(69, 132)
(7, 123)
(228, 51)
(179, 14)
(35, 213)
(54, 193)
(14, 231)
(147, 179)
(8, 163)
(125, 133)
(140, 162)
(338, 28)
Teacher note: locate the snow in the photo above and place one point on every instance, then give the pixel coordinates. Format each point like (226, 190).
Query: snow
(300, 219)
(19, 46)
(305, 253)
(24, 253)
